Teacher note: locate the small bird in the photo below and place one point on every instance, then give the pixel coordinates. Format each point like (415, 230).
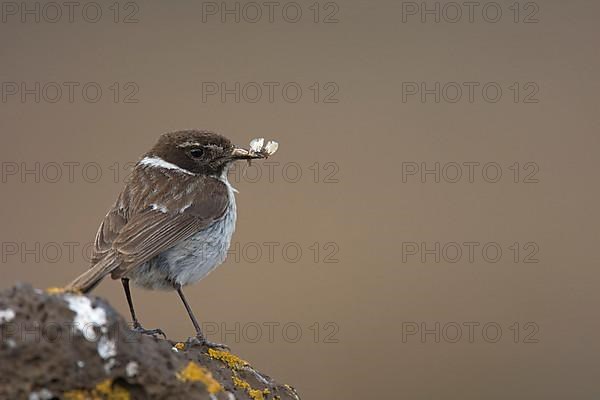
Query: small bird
(173, 221)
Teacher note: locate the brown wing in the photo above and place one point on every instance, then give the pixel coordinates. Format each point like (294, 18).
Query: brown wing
(151, 233)
(156, 213)
(108, 231)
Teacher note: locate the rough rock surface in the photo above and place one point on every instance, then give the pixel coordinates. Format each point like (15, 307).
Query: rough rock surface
(76, 347)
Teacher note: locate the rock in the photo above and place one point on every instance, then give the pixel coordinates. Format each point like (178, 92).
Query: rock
(77, 347)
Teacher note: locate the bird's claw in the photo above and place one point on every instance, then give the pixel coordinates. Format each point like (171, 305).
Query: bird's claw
(150, 332)
(201, 340)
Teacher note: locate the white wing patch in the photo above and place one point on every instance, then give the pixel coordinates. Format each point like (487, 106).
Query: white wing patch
(159, 207)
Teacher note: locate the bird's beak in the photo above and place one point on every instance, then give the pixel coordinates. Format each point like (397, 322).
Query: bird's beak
(243, 154)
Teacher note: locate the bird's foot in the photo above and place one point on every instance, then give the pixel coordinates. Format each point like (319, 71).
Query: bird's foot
(137, 327)
(201, 340)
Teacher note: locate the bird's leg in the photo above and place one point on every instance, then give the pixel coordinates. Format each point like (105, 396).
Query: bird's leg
(137, 327)
(199, 338)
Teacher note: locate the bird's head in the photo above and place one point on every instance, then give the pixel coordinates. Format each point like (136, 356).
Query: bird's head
(201, 152)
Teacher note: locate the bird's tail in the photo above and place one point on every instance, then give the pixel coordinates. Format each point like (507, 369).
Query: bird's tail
(85, 282)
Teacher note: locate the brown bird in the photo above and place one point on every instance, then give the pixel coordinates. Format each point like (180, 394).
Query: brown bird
(172, 223)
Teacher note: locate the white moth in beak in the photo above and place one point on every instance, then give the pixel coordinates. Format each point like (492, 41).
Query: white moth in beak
(256, 145)
(271, 147)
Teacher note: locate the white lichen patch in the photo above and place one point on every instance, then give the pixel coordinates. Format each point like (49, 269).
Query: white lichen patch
(43, 394)
(6, 315)
(131, 369)
(107, 348)
(86, 316)
(109, 365)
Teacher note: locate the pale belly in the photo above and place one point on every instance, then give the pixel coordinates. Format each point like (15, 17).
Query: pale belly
(190, 260)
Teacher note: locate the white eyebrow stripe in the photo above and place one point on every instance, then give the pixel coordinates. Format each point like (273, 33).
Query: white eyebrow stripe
(157, 162)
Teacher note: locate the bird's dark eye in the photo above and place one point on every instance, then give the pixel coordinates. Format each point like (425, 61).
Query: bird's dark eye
(197, 153)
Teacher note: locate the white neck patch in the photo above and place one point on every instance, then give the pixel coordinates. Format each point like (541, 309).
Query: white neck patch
(157, 162)
(223, 178)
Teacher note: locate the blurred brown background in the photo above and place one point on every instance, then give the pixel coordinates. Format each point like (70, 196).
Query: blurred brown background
(364, 326)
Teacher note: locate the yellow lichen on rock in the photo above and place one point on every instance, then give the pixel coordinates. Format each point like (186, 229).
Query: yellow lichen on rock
(232, 361)
(179, 346)
(196, 373)
(254, 394)
(235, 364)
(59, 290)
(103, 391)
(111, 392)
(76, 395)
